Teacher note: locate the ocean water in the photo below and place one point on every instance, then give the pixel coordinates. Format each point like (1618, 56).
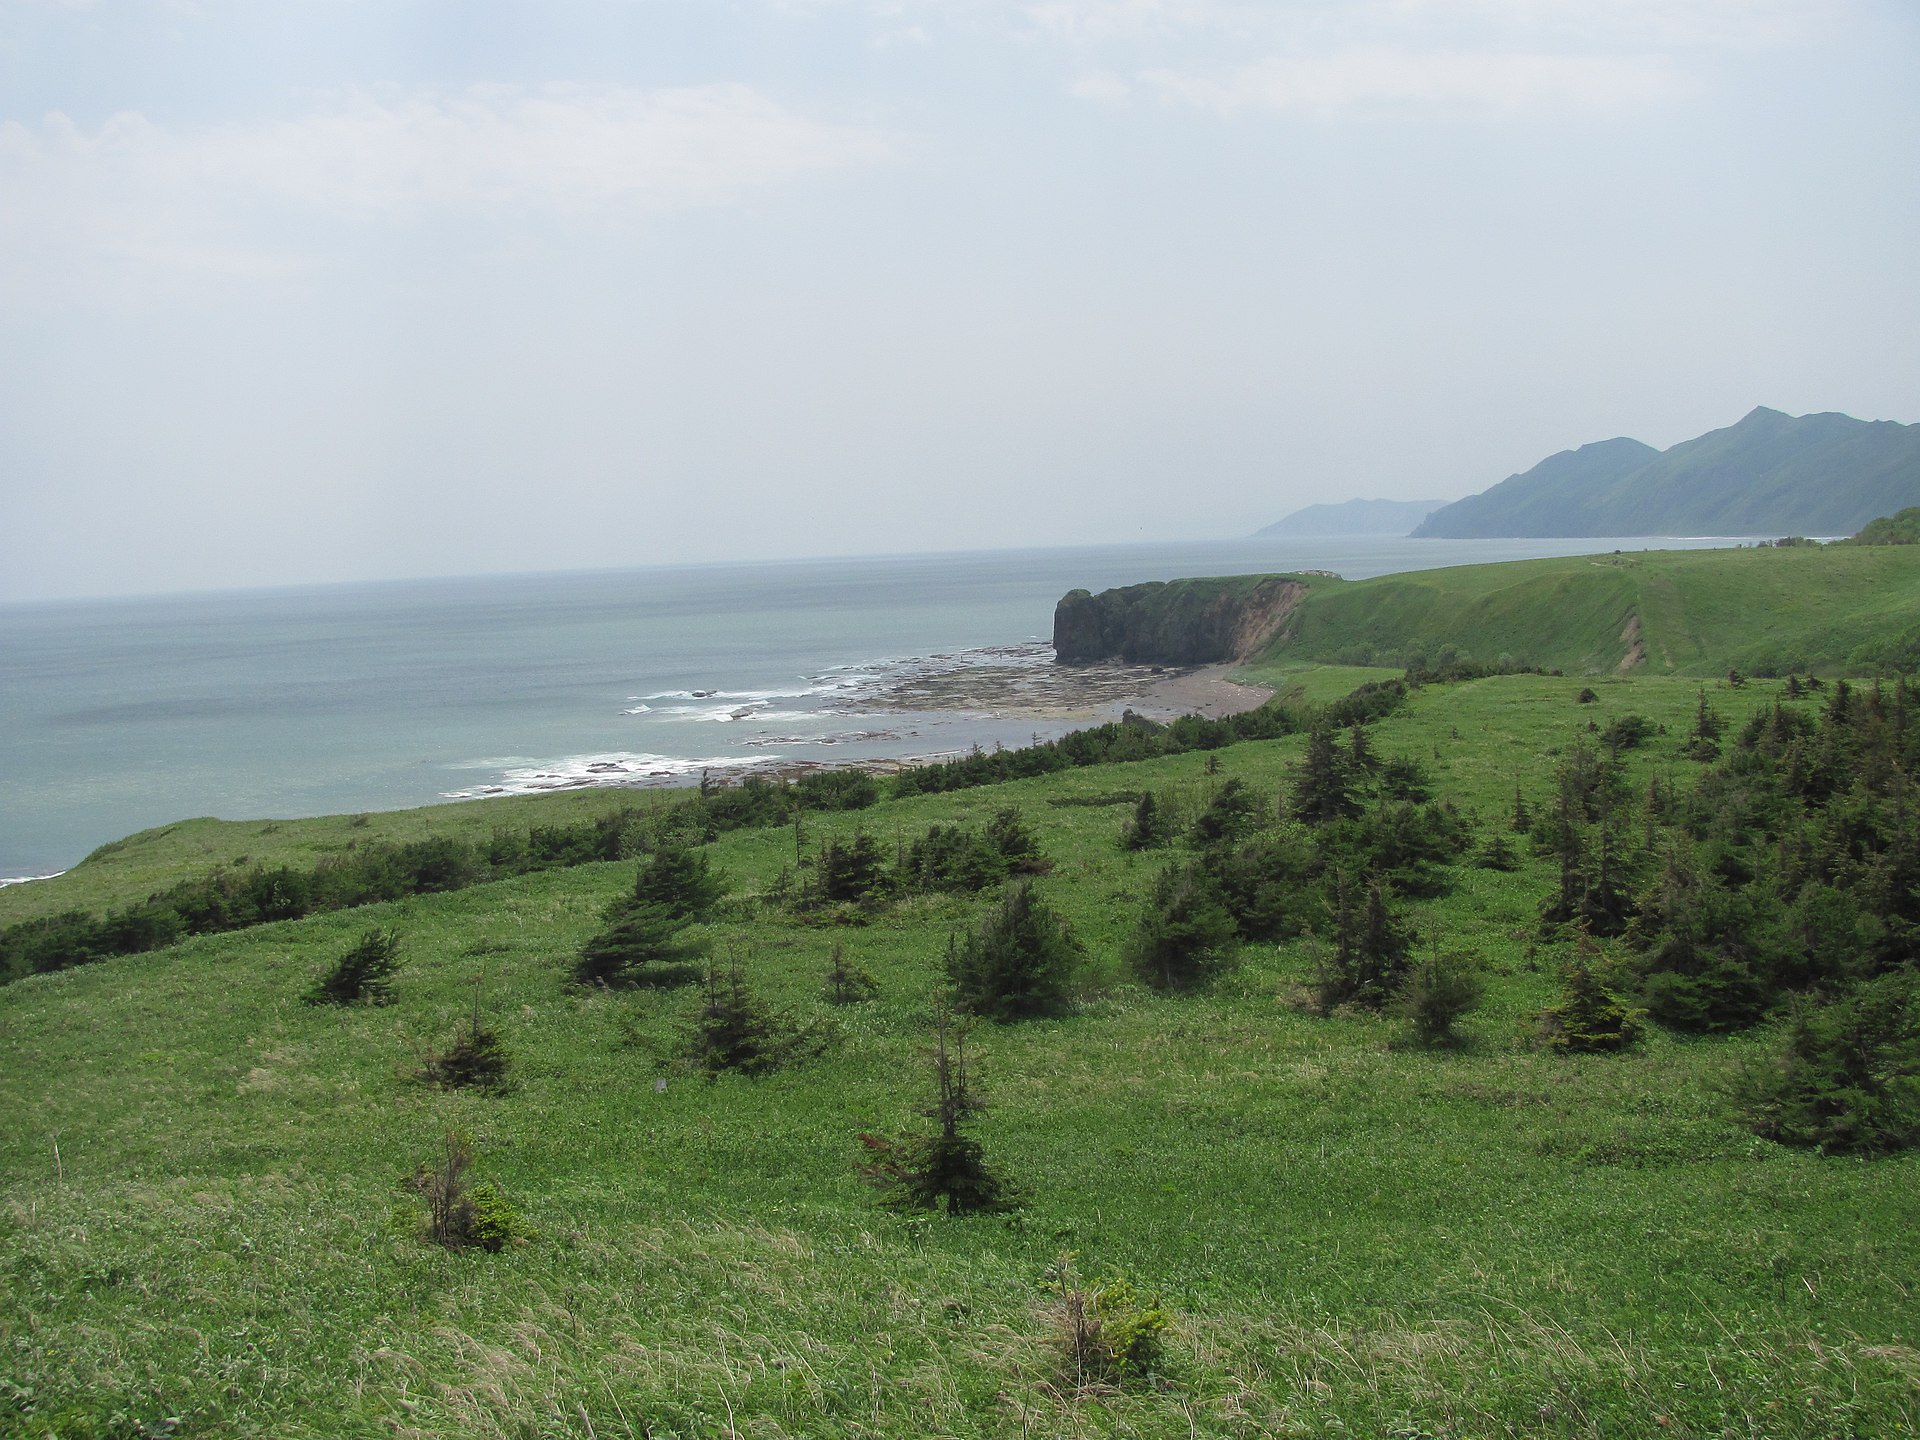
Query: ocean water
(117, 715)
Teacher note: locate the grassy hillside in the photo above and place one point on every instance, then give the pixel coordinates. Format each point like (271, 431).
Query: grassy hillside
(1693, 612)
(207, 1228)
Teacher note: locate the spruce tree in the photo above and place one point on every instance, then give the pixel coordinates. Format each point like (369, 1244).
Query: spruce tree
(1321, 788)
(1017, 962)
(680, 881)
(1185, 936)
(641, 942)
(364, 973)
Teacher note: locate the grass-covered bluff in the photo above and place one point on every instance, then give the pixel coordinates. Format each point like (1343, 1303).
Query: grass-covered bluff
(1351, 1235)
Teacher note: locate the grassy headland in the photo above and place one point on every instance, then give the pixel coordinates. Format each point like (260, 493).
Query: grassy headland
(210, 1228)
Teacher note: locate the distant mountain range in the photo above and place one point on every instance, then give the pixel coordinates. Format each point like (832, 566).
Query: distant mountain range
(1355, 517)
(1771, 474)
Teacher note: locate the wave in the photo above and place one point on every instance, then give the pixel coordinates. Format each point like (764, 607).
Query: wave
(581, 772)
(28, 879)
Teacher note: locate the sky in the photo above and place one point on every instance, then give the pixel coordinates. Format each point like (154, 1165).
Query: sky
(328, 290)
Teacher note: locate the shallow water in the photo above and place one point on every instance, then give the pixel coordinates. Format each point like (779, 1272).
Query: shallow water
(122, 714)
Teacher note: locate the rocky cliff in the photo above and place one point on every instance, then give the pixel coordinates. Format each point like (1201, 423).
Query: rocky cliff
(1175, 622)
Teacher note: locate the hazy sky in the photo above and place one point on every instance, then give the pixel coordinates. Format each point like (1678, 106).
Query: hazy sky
(324, 289)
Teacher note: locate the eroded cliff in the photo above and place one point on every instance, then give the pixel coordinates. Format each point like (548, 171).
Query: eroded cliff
(1175, 622)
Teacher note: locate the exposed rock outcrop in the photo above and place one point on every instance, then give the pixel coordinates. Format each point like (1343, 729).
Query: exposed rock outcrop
(1175, 622)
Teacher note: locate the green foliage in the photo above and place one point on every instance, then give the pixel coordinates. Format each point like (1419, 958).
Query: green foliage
(1440, 989)
(733, 1030)
(850, 871)
(640, 944)
(1017, 962)
(1846, 1077)
(680, 882)
(1231, 812)
(1149, 828)
(946, 1170)
(1185, 936)
(1323, 787)
(363, 973)
(958, 859)
(462, 1213)
(476, 1059)
(1900, 528)
(1368, 958)
(1107, 1332)
(846, 982)
(1589, 1017)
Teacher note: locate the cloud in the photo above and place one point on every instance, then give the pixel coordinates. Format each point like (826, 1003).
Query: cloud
(141, 190)
(1388, 81)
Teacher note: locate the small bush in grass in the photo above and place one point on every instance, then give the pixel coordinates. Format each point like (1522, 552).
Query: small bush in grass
(1846, 1077)
(641, 943)
(1589, 1017)
(847, 983)
(947, 1169)
(1440, 989)
(733, 1030)
(462, 1213)
(477, 1059)
(1106, 1332)
(1016, 963)
(679, 879)
(364, 973)
(1150, 826)
(1185, 936)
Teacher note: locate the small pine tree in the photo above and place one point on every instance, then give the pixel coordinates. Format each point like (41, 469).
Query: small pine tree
(1589, 1017)
(1370, 948)
(1228, 814)
(1149, 828)
(946, 1170)
(1439, 990)
(363, 973)
(462, 1213)
(732, 1030)
(477, 1059)
(1322, 790)
(1017, 962)
(680, 881)
(847, 983)
(1185, 936)
(1846, 1078)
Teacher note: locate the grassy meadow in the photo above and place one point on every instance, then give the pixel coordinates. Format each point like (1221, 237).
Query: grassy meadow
(207, 1228)
(1691, 612)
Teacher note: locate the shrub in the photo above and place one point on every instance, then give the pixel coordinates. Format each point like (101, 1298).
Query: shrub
(680, 881)
(1589, 1017)
(1369, 953)
(1149, 828)
(733, 1030)
(946, 1170)
(1438, 991)
(1015, 964)
(642, 943)
(477, 1059)
(847, 983)
(1846, 1078)
(364, 973)
(1184, 936)
(463, 1214)
(1106, 1332)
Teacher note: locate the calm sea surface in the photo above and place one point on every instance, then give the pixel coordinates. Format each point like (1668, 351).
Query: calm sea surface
(123, 714)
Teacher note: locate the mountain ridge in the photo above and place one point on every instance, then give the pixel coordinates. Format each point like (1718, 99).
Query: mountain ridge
(1824, 473)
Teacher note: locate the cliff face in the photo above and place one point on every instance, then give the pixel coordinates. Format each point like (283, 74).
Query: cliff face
(1177, 622)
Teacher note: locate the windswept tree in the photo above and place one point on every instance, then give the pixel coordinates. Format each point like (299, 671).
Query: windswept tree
(1322, 786)
(947, 1169)
(679, 880)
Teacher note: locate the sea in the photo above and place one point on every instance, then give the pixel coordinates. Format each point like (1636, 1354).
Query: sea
(117, 715)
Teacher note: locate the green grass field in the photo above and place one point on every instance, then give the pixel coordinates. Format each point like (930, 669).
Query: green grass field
(1694, 612)
(207, 1228)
